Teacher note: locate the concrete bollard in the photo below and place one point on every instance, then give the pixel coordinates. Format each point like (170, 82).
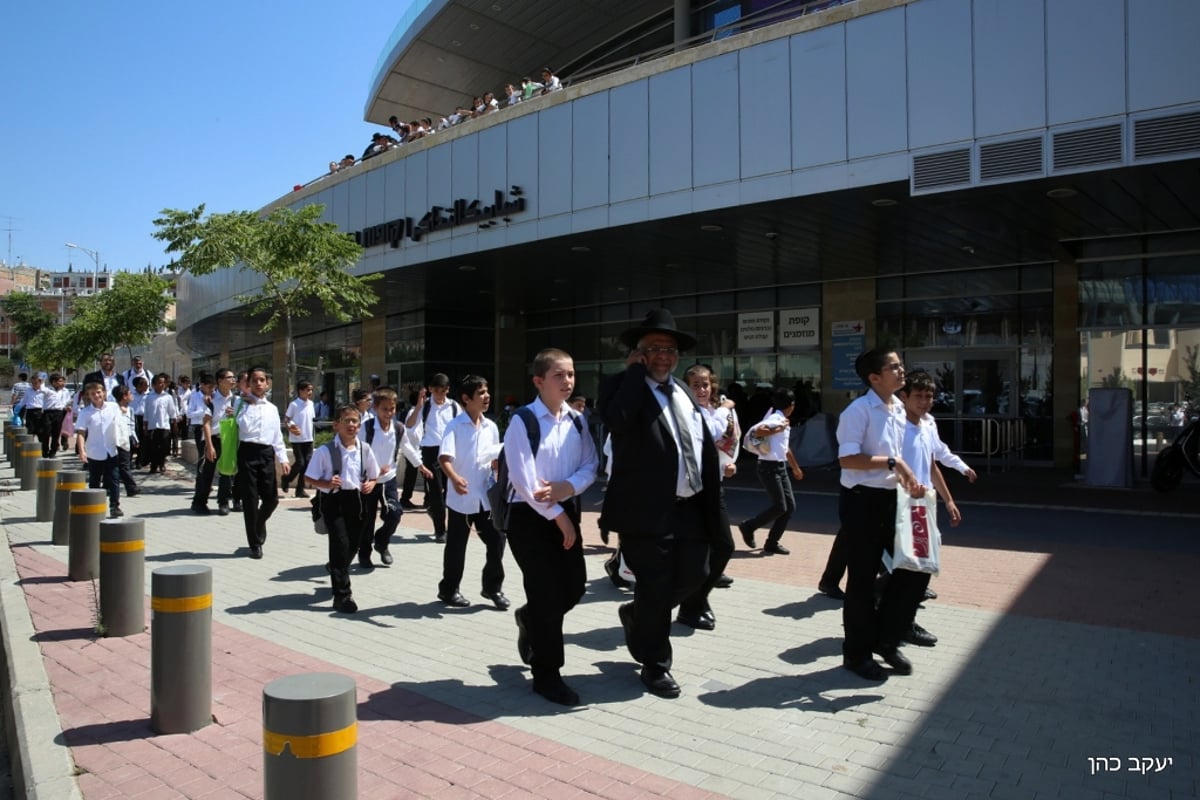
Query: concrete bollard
(310, 737)
(47, 472)
(67, 482)
(180, 648)
(87, 508)
(122, 576)
(31, 454)
(18, 453)
(12, 433)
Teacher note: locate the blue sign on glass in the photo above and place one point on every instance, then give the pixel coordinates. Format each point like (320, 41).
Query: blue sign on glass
(848, 340)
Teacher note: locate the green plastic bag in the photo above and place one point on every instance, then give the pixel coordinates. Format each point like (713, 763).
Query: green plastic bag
(227, 461)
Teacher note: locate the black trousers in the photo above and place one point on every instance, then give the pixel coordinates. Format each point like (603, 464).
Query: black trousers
(454, 554)
(555, 580)
(868, 518)
(53, 428)
(303, 452)
(125, 470)
(206, 472)
(346, 516)
(141, 451)
(159, 441)
(839, 556)
(668, 569)
(410, 483)
(719, 553)
(35, 425)
(435, 490)
(259, 491)
(773, 475)
(384, 502)
(106, 473)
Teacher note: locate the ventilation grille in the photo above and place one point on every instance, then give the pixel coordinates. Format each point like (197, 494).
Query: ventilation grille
(1166, 136)
(1088, 148)
(1010, 159)
(935, 170)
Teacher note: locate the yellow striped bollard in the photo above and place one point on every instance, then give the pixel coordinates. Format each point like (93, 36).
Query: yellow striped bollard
(180, 648)
(122, 576)
(68, 480)
(47, 471)
(87, 508)
(310, 737)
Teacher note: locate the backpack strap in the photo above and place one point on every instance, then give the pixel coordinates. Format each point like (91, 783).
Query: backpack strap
(335, 457)
(370, 430)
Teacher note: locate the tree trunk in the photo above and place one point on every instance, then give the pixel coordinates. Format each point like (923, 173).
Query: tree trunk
(289, 357)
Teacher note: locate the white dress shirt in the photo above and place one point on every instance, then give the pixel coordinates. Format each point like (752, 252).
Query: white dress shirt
(564, 454)
(695, 424)
(356, 462)
(923, 446)
(472, 449)
(436, 421)
(383, 445)
(869, 426)
(197, 408)
(258, 423)
(301, 413)
(159, 411)
(99, 426)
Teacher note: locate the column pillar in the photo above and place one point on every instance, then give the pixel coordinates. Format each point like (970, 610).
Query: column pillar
(374, 345)
(683, 22)
(842, 301)
(1065, 377)
(511, 360)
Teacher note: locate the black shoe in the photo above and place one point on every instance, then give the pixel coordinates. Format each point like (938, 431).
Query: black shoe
(919, 636)
(704, 621)
(457, 600)
(930, 594)
(114, 512)
(365, 562)
(554, 690)
(867, 668)
(604, 535)
(524, 648)
(832, 592)
(283, 485)
(776, 549)
(223, 510)
(498, 599)
(625, 612)
(409, 505)
(345, 606)
(201, 510)
(385, 556)
(300, 493)
(133, 491)
(237, 508)
(723, 582)
(440, 538)
(613, 567)
(256, 551)
(895, 659)
(660, 683)
(747, 536)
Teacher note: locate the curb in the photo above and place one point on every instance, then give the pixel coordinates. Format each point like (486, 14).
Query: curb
(42, 767)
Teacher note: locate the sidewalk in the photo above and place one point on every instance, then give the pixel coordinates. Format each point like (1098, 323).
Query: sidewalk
(1028, 683)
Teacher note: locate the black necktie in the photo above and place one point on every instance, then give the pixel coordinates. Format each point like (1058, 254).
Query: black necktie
(687, 446)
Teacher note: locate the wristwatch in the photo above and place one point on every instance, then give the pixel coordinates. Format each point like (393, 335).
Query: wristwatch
(891, 463)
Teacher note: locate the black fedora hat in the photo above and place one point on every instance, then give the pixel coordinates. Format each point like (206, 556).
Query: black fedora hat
(658, 320)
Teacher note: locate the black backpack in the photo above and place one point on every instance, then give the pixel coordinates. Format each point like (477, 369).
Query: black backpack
(335, 457)
(500, 492)
(397, 427)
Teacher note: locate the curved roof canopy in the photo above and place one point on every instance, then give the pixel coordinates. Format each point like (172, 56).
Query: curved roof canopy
(445, 52)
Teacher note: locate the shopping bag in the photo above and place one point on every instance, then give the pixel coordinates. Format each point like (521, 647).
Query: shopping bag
(754, 443)
(917, 545)
(227, 462)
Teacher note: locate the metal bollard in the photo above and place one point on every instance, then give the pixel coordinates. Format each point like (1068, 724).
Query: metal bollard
(180, 648)
(122, 576)
(310, 737)
(87, 509)
(31, 454)
(68, 481)
(47, 471)
(12, 433)
(18, 453)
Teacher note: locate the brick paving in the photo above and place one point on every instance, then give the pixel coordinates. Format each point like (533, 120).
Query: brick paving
(1048, 656)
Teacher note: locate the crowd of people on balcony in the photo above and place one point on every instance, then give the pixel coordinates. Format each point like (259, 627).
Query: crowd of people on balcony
(404, 132)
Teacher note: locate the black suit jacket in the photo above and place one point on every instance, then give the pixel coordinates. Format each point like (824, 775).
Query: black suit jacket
(641, 492)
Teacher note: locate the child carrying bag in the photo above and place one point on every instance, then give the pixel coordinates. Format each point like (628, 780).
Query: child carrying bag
(918, 543)
(227, 461)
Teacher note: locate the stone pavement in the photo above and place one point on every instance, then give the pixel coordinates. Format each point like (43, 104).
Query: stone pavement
(1048, 660)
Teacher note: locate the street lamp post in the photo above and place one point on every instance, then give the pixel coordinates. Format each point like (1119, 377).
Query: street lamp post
(95, 258)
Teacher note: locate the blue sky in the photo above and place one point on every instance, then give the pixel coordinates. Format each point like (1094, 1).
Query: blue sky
(112, 111)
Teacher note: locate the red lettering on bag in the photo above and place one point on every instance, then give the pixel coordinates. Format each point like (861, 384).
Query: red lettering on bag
(920, 531)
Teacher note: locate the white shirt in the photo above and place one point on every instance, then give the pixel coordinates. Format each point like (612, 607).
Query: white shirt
(471, 449)
(302, 413)
(159, 411)
(258, 423)
(437, 420)
(58, 399)
(871, 427)
(778, 442)
(110, 382)
(695, 424)
(128, 434)
(138, 402)
(923, 446)
(563, 455)
(131, 373)
(718, 423)
(36, 397)
(383, 446)
(222, 406)
(197, 408)
(355, 462)
(99, 426)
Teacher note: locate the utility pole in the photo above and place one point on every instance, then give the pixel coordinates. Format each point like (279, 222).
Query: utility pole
(9, 228)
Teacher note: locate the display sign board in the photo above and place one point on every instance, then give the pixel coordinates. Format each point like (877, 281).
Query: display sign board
(756, 330)
(849, 340)
(799, 328)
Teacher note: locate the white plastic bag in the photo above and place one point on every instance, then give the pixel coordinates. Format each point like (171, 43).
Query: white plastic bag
(918, 544)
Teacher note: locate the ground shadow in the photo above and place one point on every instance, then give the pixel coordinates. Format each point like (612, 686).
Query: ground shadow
(65, 635)
(43, 579)
(802, 692)
(306, 573)
(803, 609)
(285, 602)
(188, 554)
(827, 647)
(106, 733)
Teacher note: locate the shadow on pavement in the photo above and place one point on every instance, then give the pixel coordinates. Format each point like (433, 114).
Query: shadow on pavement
(65, 635)
(803, 692)
(106, 733)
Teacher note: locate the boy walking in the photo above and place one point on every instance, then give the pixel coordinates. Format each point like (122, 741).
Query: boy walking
(125, 443)
(159, 411)
(543, 525)
(344, 499)
(429, 418)
(299, 420)
(388, 440)
(260, 447)
(58, 401)
(468, 454)
(97, 442)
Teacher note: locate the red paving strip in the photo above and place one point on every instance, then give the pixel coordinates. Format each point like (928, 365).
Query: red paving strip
(408, 745)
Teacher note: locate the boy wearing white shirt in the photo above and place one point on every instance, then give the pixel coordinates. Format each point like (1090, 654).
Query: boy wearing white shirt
(120, 395)
(260, 448)
(388, 439)
(97, 444)
(344, 499)
(772, 474)
(299, 421)
(58, 401)
(470, 446)
(158, 412)
(429, 419)
(137, 405)
(35, 408)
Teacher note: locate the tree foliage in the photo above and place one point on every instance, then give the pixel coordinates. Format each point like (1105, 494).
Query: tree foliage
(303, 262)
(128, 314)
(27, 317)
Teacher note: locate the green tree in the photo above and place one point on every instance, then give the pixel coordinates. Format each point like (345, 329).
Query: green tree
(128, 314)
(303, 262)
(28, 320)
